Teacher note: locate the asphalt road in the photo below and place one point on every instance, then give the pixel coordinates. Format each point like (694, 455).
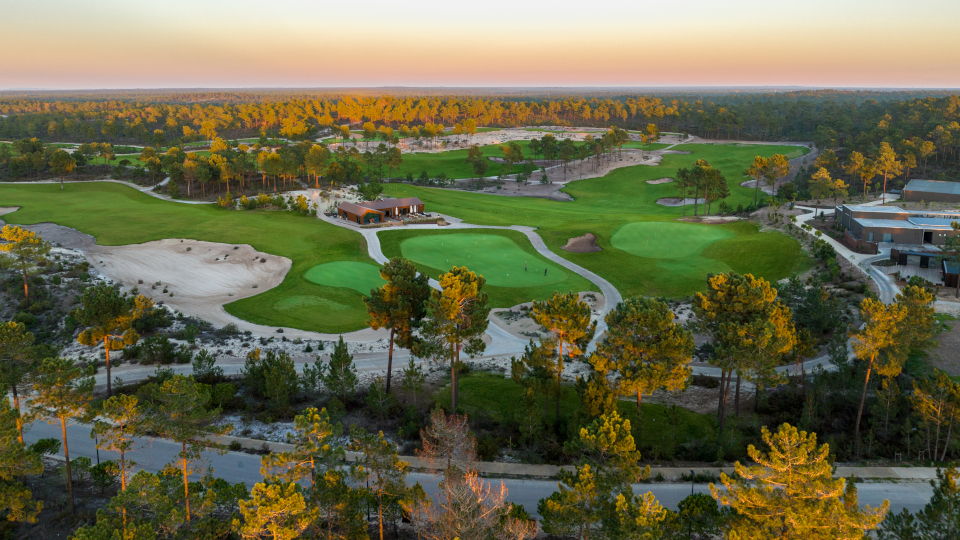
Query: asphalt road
(153, 454)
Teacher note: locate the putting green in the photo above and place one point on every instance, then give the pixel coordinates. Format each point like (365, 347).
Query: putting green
(498, 259)
(358, 276)
(664, 240)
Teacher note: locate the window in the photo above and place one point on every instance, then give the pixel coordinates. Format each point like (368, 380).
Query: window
(870, 237)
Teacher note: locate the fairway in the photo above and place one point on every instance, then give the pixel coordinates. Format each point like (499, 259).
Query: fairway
(496, 258)
(116, 214)
(532, 285)
(605, 206)
(666, 240)
(359, 276)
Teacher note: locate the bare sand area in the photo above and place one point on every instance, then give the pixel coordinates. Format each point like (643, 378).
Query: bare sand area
(665, 180)
(199, 277)
(8, 209)
(677, 201)
(586, 243)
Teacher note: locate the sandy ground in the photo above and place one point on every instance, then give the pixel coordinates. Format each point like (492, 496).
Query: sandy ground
(200, 277)
(665, 180)
(676, 201)
(516, 319)
(201, 280)
(582, 244)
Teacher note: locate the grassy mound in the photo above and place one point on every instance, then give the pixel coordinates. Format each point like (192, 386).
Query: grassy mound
(358, 276)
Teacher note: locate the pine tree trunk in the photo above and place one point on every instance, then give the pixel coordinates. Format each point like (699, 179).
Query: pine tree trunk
(16, 404)
(736, 398)
(66, 457)
(186, 485)
(863, 399)
(390, 359)
(106, 348)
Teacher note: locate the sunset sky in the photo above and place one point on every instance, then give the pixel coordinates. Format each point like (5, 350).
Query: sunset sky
(289, 43)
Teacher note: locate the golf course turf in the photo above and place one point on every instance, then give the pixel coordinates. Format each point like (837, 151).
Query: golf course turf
(361, 277)
(331, 270)
(116, 214)
(603, 206)
(498, 255)
(666, 240)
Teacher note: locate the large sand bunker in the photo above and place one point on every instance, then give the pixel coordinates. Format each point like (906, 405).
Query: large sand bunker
(677, 201)
(203, 276)
(586, 243)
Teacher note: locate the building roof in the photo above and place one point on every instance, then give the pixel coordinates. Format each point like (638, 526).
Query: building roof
(951, 267)
(932, 223)
(886, 223)
(878, 209)
(356, 209)
(392, 203)
(933, 186)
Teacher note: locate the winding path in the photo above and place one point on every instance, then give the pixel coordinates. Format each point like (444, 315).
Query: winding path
(888, 289)
(610, 293)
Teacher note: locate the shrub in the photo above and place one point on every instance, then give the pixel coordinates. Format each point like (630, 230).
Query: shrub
(45, 447)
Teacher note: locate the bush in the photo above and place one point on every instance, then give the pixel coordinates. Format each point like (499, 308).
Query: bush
(158, 350)
(45, 447)
(488, 448)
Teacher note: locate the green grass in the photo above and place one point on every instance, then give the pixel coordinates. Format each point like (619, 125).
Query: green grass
(666, 240)
(116, 215)
(498, 255)
(603, 206)
(499, 397)
(358, 276)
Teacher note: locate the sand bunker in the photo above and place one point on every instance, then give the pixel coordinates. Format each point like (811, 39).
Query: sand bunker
(582, 244)
(660, 181)
(201, 275)
(8, 209)
(677, 201)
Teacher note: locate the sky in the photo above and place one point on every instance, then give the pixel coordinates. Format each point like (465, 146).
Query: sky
(70, 44)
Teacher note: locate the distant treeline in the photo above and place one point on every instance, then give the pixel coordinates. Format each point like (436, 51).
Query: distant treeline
(843, 120)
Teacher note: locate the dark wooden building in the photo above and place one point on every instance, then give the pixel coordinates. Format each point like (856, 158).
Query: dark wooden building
(378, 211)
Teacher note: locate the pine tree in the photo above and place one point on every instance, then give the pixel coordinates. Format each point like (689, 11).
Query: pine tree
(15, 362)
(63, 392)
(938, 520)
(873, 344)
(16, 501)
(751, 329)
(400, 305)
(936, 399)
(180, 413)
(791, 493)
(23, 250)
(567, 318)
(340, 375)
(379, 466)
(457, 321)
(413, 380)
(536, 370)
(275, 511)
(646, 348)
(124, 419)
(109, 318)
(599, 493)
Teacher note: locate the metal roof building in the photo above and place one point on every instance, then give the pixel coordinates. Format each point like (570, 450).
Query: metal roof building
(932, 191)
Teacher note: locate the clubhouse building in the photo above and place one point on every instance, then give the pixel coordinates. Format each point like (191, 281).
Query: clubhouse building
(867, 226)
(367, 212)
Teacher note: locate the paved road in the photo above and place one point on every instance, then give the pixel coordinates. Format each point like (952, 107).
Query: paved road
(153, 454)
(888, 289)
